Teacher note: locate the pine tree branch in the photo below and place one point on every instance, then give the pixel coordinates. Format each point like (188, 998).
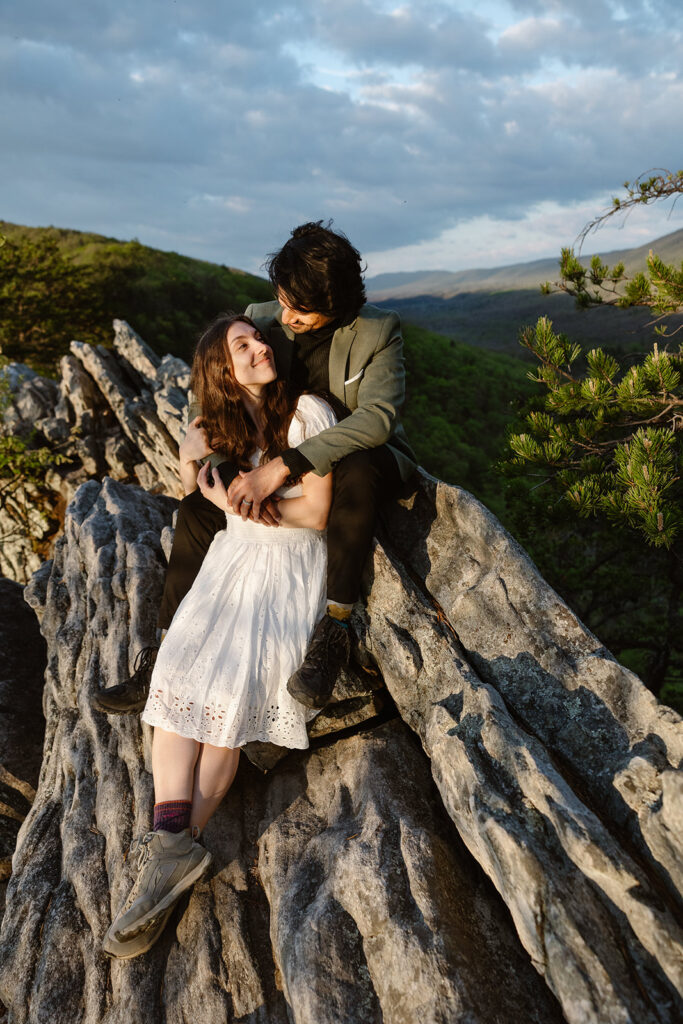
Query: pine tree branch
(652, 186)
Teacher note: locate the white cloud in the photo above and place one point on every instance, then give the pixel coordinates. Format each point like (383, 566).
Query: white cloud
(422, 128)
(540, 234)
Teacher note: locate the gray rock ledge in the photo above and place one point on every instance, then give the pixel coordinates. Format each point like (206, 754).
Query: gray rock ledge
(340, 889)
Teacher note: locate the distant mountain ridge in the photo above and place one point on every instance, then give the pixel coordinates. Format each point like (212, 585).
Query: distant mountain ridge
(445, 284)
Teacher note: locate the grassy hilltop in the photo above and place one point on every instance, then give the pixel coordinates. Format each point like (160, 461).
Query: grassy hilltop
(57, 284)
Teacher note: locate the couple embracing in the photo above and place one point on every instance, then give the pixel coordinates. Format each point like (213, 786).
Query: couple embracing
(296, 412)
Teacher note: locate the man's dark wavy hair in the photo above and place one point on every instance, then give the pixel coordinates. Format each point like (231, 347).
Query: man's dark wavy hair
(318, 271)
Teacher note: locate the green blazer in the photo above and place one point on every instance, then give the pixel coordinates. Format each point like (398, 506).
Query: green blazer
(367, 374)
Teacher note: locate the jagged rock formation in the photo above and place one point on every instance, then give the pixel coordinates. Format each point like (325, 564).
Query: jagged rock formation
(341, 891)
(617, 743)
(572, 878)
(503, 843)
(113, 412)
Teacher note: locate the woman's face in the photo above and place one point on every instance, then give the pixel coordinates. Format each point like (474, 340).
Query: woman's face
(253, 364)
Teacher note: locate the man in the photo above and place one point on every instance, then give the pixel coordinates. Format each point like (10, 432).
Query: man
(326, 339)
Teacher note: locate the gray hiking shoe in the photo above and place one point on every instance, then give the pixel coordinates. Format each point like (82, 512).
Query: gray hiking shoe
(168, 864)
(140, 943)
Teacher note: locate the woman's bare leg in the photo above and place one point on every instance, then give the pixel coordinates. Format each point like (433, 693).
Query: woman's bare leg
(187, 770)
(173, 765)
(213, 776)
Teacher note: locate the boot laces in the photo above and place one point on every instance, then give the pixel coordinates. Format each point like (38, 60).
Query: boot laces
(331, 642)
(145, 659)
(140, 845)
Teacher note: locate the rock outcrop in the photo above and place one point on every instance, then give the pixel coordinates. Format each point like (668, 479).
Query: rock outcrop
(116, 412)
(614, 740)
(347, 886)
(489, 829)
(340, 891)
(569, 883)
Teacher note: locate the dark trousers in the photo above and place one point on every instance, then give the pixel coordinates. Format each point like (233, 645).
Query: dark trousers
(361, 482)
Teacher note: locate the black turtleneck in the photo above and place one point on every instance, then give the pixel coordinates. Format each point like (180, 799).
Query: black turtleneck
(310, 371)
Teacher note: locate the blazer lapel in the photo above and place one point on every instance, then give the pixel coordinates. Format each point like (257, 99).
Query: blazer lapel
(282, 341)
(339, 358)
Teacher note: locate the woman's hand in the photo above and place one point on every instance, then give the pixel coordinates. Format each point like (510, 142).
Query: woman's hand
(195, 444)
(217, 494)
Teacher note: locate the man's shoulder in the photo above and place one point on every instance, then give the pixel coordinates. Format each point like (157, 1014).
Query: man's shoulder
(376, 326)
(369, 313)
(264, 310)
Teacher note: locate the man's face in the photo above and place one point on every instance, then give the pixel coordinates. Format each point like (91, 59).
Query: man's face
(298, 321)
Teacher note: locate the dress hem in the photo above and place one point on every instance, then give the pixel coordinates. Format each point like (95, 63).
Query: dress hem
(252, 739)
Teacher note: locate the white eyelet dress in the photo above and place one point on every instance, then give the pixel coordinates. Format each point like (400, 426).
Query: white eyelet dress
(243, 629)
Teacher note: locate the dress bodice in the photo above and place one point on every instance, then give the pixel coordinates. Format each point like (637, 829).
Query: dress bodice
(312, 416)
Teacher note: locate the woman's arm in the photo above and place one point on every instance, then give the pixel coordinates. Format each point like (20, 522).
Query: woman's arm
(188, 476)
(313, 507)
(309, 510)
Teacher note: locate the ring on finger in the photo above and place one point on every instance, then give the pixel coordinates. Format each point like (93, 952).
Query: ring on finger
(246, 501)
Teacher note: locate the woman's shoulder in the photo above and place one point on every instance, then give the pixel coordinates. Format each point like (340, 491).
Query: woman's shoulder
(313, 405)
(313, 414)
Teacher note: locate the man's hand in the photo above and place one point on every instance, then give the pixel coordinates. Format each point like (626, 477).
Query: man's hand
(194, 445)
(269, 516)
(248, 491)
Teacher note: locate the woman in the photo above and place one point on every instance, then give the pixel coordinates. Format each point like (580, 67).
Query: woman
(220, 676)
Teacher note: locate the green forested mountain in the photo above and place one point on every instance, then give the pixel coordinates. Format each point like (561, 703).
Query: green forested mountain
(57, 284)
(459, 403)
(488, 307)
(514, 276)
(493, 320)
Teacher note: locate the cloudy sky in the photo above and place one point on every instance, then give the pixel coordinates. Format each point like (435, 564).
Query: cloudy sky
(436, 134)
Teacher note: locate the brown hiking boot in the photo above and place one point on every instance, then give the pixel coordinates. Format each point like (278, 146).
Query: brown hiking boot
(312, 684)
(129, 697)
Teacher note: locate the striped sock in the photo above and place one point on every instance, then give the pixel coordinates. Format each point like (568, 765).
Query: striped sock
(172, 815)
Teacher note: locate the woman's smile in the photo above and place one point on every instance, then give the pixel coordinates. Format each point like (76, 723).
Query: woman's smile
(251, 356)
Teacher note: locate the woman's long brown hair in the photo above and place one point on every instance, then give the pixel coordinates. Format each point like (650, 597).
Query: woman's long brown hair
(229, 427)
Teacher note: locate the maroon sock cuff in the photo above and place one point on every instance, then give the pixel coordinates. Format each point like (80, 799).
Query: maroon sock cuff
(172, 815)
